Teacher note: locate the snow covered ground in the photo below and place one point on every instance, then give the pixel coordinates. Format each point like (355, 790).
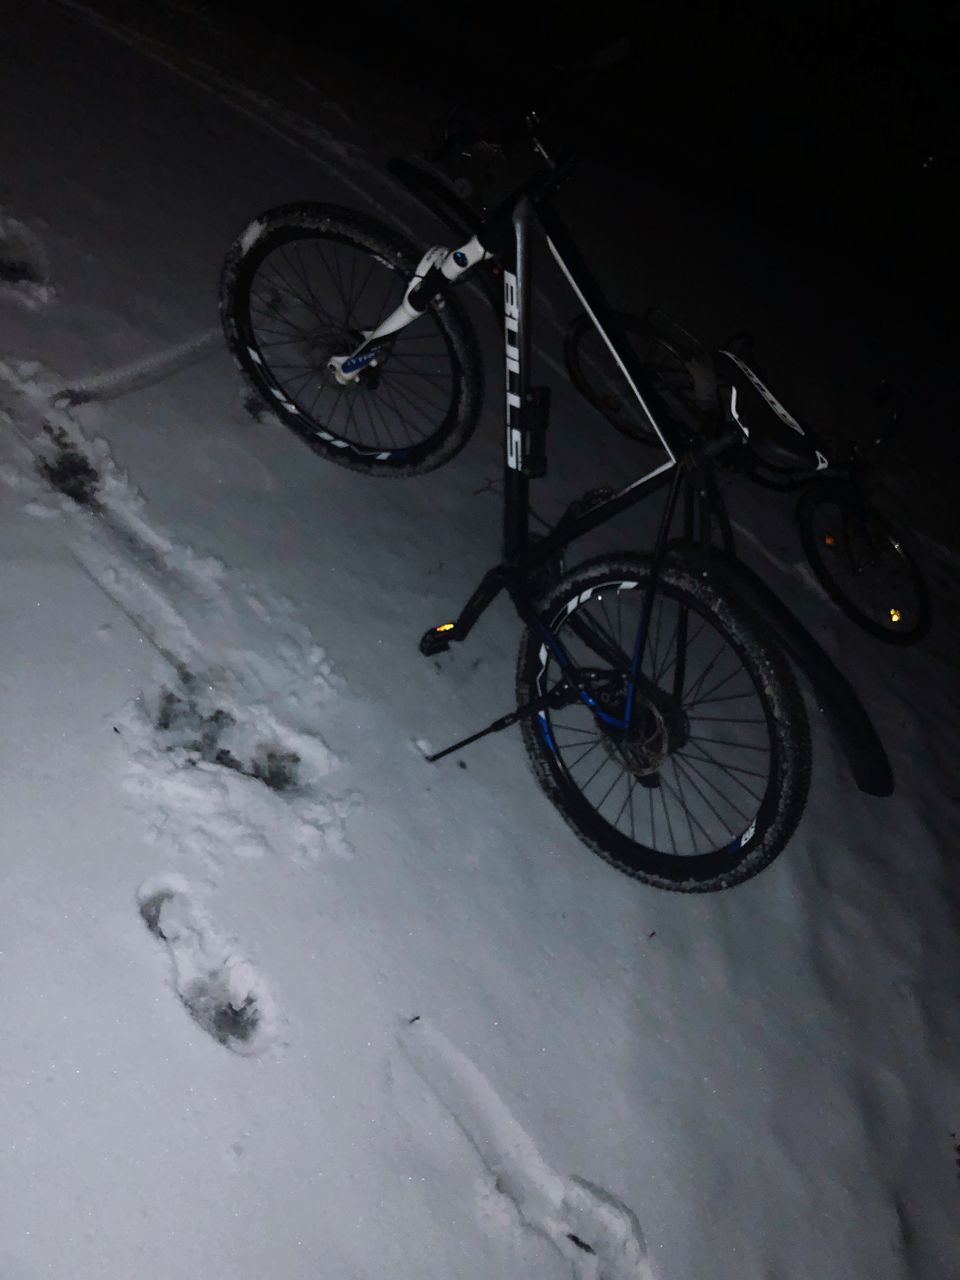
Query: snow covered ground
(463, 1046)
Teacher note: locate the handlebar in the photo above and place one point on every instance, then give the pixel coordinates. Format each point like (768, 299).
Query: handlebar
(493, 138)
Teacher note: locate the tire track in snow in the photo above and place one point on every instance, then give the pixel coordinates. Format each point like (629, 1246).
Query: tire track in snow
(109, 384)
(295, 129)
(592, 1230)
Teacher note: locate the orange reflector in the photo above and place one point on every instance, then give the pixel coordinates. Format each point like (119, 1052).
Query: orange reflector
(445, 626)
(895, 615)
(829, 540)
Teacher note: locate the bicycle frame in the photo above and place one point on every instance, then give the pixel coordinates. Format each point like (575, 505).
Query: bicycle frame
(506, 235)
(524, 451)
(520, 445)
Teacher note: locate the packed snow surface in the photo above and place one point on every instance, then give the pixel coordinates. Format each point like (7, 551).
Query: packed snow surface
(280, 997)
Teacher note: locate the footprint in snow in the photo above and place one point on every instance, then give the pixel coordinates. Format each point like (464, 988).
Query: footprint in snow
(221, 990)
(68, 470)
(24, 266)
(213, 735)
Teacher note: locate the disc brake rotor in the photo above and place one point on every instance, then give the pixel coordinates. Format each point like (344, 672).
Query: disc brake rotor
(642, 748)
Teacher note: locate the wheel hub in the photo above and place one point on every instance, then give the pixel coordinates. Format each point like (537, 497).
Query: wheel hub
(643, 747)
(327, 344)
(324, 342)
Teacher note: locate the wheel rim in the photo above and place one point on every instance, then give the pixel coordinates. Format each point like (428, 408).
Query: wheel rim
(669, 373)
(608, 386)
(311, 297)
(867, 567)
(698, 773)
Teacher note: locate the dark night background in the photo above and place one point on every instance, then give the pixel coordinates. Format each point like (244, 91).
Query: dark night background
(767, 1077)
(826, 123)
(809, 153)
(825, 136)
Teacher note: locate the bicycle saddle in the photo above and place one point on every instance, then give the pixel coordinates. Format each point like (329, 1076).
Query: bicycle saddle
(775, 436)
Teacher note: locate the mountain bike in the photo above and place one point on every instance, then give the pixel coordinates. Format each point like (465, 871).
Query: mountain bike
(856, 554)
(659, 715)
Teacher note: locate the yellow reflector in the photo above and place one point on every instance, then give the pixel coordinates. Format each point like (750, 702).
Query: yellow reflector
(444, 626)
(895, 615)
(829, 539)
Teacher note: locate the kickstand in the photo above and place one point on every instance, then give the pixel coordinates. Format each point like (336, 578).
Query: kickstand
(528, 709)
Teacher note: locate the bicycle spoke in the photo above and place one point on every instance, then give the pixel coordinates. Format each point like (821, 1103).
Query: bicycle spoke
(688, 698)
(686, 808)
(301, 333)
(376, 406)
(724, 719)
(726, 768)
(315, 303)
(721, 742)
(391, 391)
(283, 283)
(666, 814)
(628, 801)
(301, 380)
(412, 399)
(665, 786)
(618, 778)
(316, 400)
(707, 758)
(334, 279)
(727, 697)
(661, 676)
(706, 800)
(602, 765)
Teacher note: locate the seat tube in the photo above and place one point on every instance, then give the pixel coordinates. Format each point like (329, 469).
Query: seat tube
(516, 328)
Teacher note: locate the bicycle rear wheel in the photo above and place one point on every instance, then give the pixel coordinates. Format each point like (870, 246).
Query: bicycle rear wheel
(862, 564)
(596, 375)
(707, 784)
(302, 284)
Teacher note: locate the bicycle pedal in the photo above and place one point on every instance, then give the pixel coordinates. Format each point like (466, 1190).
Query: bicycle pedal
(437, 639)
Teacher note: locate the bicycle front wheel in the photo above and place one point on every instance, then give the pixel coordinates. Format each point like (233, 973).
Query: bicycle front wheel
(706, 783)
(304, 283)
(861, 562)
